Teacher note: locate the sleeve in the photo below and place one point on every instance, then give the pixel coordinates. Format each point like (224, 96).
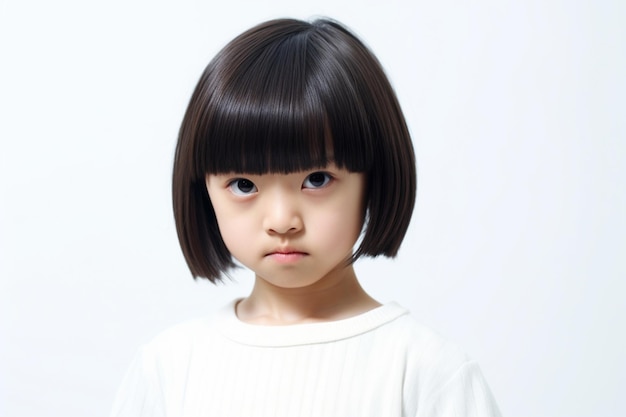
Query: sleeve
(465, 394)
(139, 394)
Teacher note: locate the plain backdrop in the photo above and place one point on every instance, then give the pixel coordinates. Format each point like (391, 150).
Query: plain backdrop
(517, 249)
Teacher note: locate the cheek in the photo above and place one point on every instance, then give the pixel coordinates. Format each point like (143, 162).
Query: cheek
(233, 230)
(231, 226)
(341, 225)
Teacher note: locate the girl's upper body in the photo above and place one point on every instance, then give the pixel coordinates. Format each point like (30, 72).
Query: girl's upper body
(294, 151)
(378, 363)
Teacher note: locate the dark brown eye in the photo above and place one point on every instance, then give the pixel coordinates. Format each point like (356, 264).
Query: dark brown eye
(317, 180)
(242, 186)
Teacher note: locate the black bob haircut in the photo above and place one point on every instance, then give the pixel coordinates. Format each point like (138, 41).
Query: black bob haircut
(286, 96)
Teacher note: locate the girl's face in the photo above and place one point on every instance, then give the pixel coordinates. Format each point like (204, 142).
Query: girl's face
(293, 230)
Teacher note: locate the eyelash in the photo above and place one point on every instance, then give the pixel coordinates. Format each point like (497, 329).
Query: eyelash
(327, 179)
(235, 186)
(249, 188)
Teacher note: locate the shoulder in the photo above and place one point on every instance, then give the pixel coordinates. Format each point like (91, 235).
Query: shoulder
(159, 371)
(180, 334)
(196, 330)
(422, 343)
(166, 360)
(183, 339)
(441, 378)
(423, 356)
(172, 347)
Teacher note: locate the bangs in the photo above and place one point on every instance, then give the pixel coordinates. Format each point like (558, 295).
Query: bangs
(277, 109)
(268, 124)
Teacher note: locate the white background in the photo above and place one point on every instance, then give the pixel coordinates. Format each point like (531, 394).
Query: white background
(517, 250)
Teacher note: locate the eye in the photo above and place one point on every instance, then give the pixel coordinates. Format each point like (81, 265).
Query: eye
(317, 180)
(242, 186)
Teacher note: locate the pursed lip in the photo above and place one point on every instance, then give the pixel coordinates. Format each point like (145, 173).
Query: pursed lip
(286, 251)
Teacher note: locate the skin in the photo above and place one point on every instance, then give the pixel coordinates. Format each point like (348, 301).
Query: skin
(295, 232)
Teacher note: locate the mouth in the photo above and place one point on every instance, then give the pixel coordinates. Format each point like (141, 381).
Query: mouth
(286, 255)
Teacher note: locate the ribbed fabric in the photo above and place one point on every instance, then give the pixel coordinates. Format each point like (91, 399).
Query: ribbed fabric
(380, 363)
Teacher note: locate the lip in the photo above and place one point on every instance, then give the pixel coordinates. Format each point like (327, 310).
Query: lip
(286, 255)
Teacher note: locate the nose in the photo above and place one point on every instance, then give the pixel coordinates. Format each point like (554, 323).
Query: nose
(282, 214)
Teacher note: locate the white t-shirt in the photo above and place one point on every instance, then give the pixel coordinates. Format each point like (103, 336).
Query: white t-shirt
(379, 363)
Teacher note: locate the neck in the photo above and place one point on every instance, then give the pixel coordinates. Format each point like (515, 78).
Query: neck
(326, 300)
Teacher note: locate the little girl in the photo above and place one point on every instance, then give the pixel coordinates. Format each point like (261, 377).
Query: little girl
(293, 151)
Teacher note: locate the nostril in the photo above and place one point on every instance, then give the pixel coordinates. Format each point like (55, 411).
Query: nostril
(288, 225)
(283, 230)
